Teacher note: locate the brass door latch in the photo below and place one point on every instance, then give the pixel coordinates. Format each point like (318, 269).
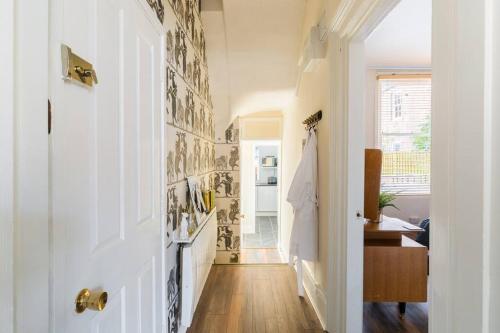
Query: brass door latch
(76, 68)
(84, 73)
(92, 300)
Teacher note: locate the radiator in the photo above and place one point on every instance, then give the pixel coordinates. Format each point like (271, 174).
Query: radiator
(197, 257)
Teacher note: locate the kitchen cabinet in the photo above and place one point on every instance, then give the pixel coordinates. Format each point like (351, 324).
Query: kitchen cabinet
(266, 198)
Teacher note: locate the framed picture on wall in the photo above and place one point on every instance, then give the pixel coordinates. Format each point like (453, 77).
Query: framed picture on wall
(197, 199)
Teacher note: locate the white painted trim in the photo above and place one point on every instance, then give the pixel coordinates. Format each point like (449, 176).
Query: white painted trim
(358, 18)
(401, 70)
(163, 192)
(7, 190)
(488, 158)
(355, 189)
(31, 229)
(341, 14)
(337, 252)
(353, 23)
(463, 79)
(439, 310)
(315, 293)
(150, 14)
(492, 180)
(377, 130)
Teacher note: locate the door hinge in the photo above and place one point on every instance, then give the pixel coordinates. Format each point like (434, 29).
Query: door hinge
(49, 113)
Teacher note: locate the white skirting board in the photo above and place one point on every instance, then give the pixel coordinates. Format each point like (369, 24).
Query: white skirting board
(315, 293)
(197, 258)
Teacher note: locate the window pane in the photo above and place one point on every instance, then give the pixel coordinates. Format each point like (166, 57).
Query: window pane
(405, 116)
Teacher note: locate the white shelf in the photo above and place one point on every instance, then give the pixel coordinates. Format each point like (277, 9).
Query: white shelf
(191, 238)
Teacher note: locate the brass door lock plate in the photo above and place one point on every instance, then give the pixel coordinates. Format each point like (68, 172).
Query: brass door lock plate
(76, 68)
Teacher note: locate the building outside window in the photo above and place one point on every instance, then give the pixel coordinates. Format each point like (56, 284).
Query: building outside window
(397, 101)
(404, 113)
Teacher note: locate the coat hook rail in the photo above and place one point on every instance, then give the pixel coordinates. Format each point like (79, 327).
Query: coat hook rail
(313, 119)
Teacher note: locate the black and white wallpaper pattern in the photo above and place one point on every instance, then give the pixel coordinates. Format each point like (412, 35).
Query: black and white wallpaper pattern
(190, 134)
(191, 147)
(227, 195)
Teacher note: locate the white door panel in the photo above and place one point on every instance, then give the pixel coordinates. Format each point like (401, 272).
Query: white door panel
(249, 204)
(106, 167)
(113, 319)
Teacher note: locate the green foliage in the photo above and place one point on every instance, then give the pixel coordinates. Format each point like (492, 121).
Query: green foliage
(422, 141)
(385, 200)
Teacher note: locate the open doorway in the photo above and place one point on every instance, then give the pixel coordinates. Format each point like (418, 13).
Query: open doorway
(398, 89)
(260, 184)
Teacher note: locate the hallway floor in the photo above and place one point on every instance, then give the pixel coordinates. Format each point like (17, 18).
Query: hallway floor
(260, 256)
(253, 298)
(265, 236)
(384, 317)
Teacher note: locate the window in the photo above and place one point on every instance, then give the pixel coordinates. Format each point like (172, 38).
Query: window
(397, 101)
(404, 113)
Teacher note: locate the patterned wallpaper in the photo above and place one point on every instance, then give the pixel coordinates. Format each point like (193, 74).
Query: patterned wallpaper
(227, 195)
(191, 147)
(190, 133)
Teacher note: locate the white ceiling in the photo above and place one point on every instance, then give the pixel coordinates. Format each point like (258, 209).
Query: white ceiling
(261, 40)
(403, 38)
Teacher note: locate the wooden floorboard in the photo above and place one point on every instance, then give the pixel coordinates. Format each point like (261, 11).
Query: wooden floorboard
(253, 299)
(384, 318)
(261, 256)
(263, 298)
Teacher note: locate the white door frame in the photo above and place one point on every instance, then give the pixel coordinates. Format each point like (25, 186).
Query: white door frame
(7, 166)
(464, 200)
(464, 264)
(278, 143)
(24, 227)
(353, 22)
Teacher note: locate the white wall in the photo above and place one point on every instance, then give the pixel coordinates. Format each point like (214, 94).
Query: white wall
(464, 203)
(262, 45)
(263, 151)
(215, 35)
(410, 206)
(312, 96)
(261, 126)
(403, 38)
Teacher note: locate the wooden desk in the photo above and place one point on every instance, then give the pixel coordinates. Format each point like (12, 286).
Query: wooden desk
(390, 229)
(395, 266)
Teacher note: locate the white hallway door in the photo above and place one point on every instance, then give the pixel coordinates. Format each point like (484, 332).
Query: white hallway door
(105, 167)
(247, 183)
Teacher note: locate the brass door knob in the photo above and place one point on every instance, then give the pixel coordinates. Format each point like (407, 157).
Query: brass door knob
(92, 300)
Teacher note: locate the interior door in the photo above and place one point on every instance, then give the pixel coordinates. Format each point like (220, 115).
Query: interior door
(247, 181)
(106, 167)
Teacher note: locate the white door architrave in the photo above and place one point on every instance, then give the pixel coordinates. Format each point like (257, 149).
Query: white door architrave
(24, 210)
(464, 261)
(353, 22)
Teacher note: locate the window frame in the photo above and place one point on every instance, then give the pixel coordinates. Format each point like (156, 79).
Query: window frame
(378, 119)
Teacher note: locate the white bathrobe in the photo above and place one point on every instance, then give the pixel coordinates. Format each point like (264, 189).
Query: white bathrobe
(304, 200)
